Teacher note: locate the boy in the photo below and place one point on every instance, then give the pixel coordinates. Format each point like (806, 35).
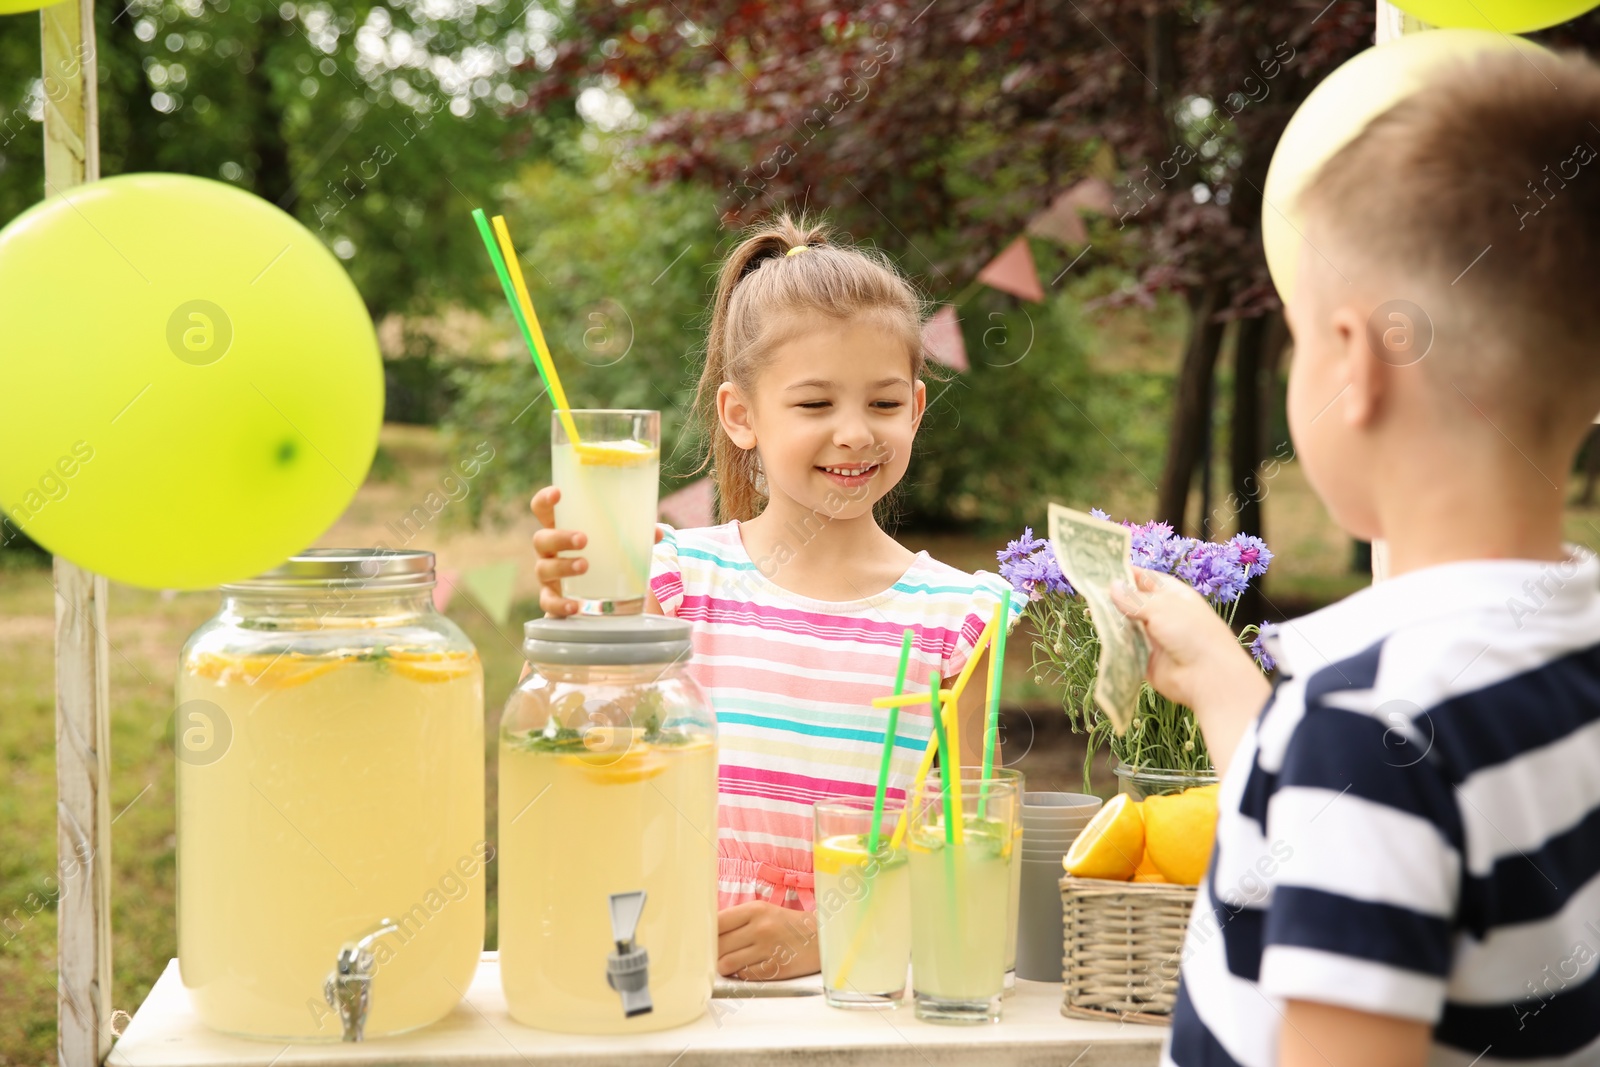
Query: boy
(1407, 866)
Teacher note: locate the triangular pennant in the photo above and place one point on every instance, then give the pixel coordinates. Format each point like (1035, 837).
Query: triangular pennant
(492, 587)
(1062, 221)
(1012, 271)
(941, 336)
(689, 507)
(445, 590)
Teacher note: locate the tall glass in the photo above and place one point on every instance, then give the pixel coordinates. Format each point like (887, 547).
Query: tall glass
(1014, 776)
(960, 887)
(608, 484)
(863, 904)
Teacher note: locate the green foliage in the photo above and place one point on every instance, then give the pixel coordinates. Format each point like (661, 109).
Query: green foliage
(1013, 430)
(379, 128)
(618, 272)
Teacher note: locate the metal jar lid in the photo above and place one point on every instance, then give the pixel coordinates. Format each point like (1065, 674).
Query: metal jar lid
(606, 640)
(344, 568)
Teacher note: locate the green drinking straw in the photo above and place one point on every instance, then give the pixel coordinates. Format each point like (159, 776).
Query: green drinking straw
(991, 726)
(944, 758)
(492, 246)
(888, 746)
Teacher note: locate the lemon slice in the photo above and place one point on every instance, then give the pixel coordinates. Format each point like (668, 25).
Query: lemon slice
(1179, 830)
(639, 763)
(615, 453)
(836, 853)
(268, 672)
(432, 666)
(1112, 845)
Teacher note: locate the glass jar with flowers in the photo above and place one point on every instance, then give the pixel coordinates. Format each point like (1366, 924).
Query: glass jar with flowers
(1163, 750)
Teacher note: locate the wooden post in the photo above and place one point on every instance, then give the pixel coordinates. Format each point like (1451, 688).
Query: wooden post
(83, 703)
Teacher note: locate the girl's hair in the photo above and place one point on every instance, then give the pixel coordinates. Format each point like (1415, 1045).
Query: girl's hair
(759, 289)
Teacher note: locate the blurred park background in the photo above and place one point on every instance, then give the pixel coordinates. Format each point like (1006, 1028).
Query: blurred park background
(1124, 143)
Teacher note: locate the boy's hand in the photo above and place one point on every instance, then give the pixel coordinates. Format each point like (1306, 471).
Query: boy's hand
(547, 543)
(1196, 659)
(761, 942)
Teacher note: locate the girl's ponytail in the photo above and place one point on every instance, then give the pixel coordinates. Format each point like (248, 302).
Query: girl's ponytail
(785, 265)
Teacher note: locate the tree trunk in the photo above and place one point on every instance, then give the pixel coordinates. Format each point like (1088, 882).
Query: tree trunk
(1247, 444)
(273, 181)
(1191, 415)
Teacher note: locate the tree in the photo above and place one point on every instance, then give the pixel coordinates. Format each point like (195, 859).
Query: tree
(951, 124)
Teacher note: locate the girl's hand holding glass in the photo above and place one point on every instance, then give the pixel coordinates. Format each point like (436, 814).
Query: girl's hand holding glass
(551, 567)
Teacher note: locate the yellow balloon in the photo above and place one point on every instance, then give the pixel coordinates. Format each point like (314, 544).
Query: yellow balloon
(1503, 16)
(192, 388)
(16, 7)
(1366, 85)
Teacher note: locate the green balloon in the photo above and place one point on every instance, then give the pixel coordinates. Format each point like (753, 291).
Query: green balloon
(190, 384)
(1504, 16)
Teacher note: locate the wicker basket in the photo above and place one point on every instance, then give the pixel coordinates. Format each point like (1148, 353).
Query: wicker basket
(1123, 944)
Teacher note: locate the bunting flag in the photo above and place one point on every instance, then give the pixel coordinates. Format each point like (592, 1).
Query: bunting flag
(689, 507)
(941, 336)
(1012, 271)
(492, 587)
(445, 589)
(1062, 221)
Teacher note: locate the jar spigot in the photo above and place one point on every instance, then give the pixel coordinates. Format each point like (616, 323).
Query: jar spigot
(628, 968)
(348, 988)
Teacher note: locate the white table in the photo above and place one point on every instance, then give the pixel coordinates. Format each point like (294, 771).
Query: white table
(739, 1029)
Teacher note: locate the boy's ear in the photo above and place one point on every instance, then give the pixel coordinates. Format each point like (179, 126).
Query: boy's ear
(1365, 369)
(733, 412)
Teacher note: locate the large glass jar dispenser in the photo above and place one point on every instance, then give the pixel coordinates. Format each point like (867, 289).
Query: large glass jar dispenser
(331, 848)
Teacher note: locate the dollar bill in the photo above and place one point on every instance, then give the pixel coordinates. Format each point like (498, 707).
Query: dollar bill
(1093, 553)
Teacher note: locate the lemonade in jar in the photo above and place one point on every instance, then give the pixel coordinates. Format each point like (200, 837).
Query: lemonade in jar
(608, 823)
(331, 849)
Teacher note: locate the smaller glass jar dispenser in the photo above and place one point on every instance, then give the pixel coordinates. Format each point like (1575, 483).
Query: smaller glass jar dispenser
(608, 829)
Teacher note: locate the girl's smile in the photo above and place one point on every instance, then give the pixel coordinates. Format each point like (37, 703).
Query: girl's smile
(852, 475)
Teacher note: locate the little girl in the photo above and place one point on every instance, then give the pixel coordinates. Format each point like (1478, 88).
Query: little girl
(811, 396)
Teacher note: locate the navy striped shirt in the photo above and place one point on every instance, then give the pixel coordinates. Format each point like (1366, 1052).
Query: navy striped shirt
(1412, 826)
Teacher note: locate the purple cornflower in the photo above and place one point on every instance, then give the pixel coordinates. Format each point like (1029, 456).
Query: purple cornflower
(1030, 566)
(1214, 571)
(1156, 548)
(1258, 648)
(1254, 555)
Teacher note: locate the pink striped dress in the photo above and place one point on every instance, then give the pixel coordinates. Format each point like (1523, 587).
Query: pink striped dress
(792, 679)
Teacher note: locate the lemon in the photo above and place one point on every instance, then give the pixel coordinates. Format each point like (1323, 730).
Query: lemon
(1147, 870)
(1112, 845)
(615, 453)
(1179, 830)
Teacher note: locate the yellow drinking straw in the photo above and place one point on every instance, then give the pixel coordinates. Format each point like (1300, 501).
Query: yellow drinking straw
(504, 254)
(927, 756)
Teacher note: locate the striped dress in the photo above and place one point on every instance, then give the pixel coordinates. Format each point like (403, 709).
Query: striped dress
(791, 680)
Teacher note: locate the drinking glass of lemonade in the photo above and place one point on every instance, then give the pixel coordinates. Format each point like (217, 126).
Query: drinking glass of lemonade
(962, 848)
(1014, 776)
(329, 743)
(609, 480)
(608, 795)
(863, 904)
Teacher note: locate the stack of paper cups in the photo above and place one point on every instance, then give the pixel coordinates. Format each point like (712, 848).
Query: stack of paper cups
(1050, 822)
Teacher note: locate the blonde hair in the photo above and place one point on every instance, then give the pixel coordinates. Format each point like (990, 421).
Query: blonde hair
(1466, 191)
(778, 269)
